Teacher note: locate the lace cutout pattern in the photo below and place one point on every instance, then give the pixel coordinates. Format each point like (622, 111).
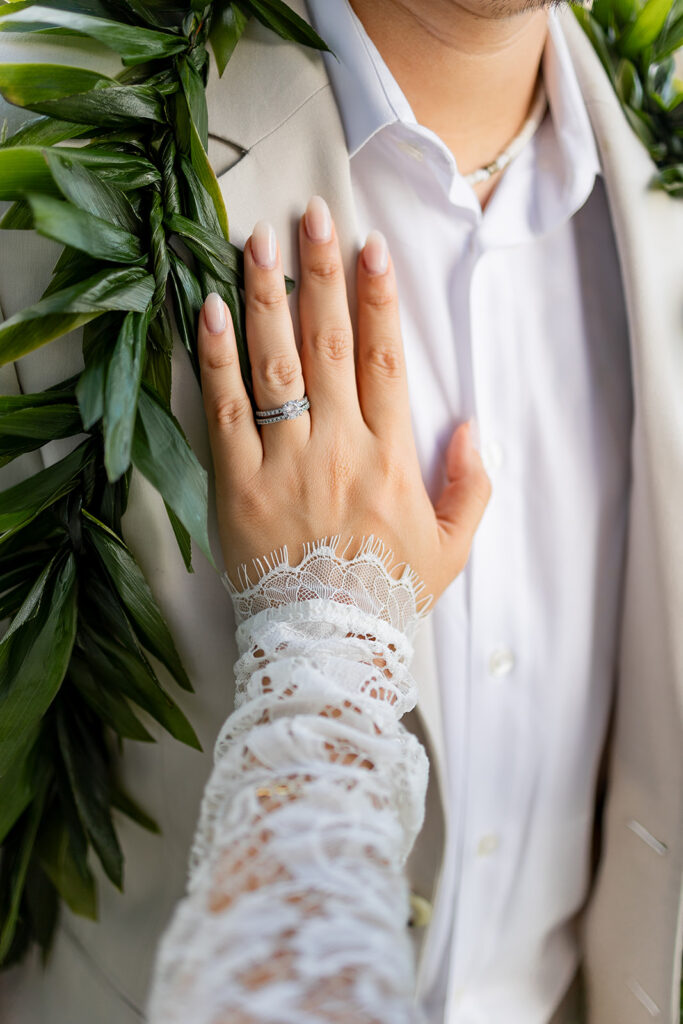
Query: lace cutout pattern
(297, 902)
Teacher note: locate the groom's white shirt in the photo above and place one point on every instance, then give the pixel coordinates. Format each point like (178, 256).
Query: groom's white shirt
(276, 139)
(515, 316)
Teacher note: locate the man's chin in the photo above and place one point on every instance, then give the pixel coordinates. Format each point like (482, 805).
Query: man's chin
(508, 8)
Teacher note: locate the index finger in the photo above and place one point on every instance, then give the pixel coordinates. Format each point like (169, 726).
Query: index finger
(381, 370)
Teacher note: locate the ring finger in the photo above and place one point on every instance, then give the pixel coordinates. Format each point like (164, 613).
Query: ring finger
(275, 363)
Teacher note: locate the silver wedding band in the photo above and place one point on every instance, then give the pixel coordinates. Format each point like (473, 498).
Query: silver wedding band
(289, 411)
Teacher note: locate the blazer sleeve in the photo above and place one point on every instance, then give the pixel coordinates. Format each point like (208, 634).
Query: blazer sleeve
(297, 903)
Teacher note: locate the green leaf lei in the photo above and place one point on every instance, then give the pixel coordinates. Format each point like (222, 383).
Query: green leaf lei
(135, 203)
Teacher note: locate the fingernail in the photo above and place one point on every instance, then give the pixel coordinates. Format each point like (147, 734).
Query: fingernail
(475, 439)
(264, 244)
(376, 253)
(317, 220)
(214, 313)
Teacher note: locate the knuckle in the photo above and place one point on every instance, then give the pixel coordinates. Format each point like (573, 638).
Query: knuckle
(229, 411)
(325, 269)
(220, 358)
(381, 297)
(332, 343)
(279, 371)
(265, 300)
(384, 359)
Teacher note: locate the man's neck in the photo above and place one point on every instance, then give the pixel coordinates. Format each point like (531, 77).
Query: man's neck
(469, 78)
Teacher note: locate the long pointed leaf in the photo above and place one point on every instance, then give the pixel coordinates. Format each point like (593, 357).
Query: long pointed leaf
(62, 311)
(46, 642)
(26, 499)
(121, 394)
(89, 779)
(65, 223)
(90, 193)
(162, 454)
(133, 43)
(134, 678)
(228, 23)
(137, 598)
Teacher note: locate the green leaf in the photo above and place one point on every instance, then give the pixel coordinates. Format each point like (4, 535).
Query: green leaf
(89, 779)
(670, 41)
(162, 454)
(55, 856)
(97, 347)
(157, 373)
(206, 175)
(18, 217)
(110, 108)
(41, 901)
(133, 43)
(90, 193)
(286, 22)
(27, 84)
(125, 803)
(113, 709)
(18, 873)
(193, 87)
(24, 430)
(136, 597)
(187, 302)
(126, 289)
(25, 169)
(45, 131)
(59, 220)
(182, 537)
(201, 205)
(21, 503)
(221, 256)
(121, 394)
(118, 667)
(20, 782)
(44, 645)
(227, 25)
(646, 27)
(628, 84)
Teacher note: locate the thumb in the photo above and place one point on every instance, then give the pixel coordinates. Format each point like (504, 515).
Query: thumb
(463, 500)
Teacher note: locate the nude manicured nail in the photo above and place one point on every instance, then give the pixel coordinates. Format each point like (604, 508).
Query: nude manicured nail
(317, 220)
(214, 313)
(264, 244)
(376, 253)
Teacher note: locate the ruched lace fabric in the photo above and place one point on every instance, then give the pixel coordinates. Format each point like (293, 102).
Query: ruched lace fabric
(297, 904)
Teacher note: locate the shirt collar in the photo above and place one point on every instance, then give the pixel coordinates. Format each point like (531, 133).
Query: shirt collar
(369, 98)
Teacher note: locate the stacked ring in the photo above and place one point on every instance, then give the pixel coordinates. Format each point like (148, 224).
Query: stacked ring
(289, 411)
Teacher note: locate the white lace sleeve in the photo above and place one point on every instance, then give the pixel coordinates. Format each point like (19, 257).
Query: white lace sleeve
(297, 904)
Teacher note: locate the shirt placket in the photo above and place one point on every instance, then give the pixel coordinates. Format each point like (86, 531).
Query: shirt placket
(495, 776)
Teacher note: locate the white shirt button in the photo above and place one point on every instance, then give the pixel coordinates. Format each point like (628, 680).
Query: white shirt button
(501, 662)
(488, 845)
(410, 149)
(492, 456)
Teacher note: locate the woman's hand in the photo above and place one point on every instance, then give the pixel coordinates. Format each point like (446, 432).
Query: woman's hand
(349, 465)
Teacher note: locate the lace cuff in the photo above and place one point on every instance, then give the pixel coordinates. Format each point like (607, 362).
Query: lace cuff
(297, 903)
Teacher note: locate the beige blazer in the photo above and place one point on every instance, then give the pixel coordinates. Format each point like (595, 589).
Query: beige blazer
(277, 139)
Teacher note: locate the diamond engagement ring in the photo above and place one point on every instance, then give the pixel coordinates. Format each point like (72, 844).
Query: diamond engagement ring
(289, 411)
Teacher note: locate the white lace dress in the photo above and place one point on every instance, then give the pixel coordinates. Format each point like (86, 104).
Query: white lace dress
(297, 902)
